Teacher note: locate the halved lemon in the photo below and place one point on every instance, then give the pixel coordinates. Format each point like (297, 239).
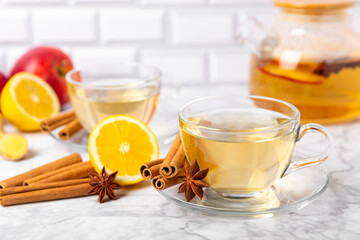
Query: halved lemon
(122, 143)
(27, 99)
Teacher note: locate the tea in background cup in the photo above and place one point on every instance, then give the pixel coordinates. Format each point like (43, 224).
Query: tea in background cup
(246, 142)
(133, 91)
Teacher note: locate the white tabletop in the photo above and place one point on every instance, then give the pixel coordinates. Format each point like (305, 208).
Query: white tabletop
(142, 213)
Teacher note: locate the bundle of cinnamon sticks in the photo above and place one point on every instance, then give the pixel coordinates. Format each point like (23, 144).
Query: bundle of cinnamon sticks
(69, 119)
(165, 173)
(63, 178)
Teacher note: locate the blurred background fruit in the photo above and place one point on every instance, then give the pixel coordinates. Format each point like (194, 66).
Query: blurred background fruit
(49, 63)
(3, 81)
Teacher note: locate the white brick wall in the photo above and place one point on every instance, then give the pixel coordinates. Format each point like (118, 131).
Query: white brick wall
(191, 41)
(129, 24)
(11, 55)
(14, 26)
(64, 25)
(229, 65)
(173, 2)
(202, 27)
(102, 60)
(181, 65)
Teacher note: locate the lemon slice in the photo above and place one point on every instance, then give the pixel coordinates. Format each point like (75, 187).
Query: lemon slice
(122, 143)
(27, 99)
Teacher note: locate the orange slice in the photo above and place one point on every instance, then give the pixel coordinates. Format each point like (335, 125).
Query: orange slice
(27, 99)
(122, 143)
(301, 76)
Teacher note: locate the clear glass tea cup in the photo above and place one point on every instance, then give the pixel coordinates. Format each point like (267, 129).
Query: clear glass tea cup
(246, 142)
(133, 90)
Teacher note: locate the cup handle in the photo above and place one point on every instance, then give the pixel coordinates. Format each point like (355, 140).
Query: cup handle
(315, 160)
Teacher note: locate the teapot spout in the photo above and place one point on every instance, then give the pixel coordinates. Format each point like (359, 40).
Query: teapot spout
(254, 35)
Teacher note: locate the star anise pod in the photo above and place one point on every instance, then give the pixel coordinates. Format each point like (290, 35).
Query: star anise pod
(103, 185)
(193, 181)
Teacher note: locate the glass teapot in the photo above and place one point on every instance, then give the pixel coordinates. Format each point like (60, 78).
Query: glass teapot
(310, 58)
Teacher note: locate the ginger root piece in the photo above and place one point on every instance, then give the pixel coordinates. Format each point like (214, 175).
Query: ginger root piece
(12, 146)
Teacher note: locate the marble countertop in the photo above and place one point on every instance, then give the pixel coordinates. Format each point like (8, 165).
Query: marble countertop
(142, 213)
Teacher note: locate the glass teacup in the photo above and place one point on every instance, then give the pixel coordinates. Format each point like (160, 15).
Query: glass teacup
(133, 90)
(246, 142)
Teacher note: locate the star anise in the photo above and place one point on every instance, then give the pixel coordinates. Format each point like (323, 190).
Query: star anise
(193, 181)
(103, 185)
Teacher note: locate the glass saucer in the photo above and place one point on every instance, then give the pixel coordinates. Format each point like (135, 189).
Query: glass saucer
(289, 194)
(77, 143)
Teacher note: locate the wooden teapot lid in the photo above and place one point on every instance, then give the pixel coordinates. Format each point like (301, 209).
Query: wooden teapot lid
(314, 4)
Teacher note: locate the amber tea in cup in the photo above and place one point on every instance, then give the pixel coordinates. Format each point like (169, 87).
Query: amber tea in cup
(246, 142)
(134, 91)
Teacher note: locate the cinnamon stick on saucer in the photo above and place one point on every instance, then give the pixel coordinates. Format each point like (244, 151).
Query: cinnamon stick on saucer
(42, 186)
(79, 170)
(151, 169)
(174, 159)
(19, 179)
(46, 194)
(161, 183)
(177, 162)
(70, 129)
(50, 124)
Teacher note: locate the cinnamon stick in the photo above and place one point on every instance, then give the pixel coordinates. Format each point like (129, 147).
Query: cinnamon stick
(165, 169)
(50, 124)
(151, 169)
(161, 183)
(52, 173)
(177, 162)
(42, 186)
(70, 129)
(79, 171)
(45, 195)
(19, 179)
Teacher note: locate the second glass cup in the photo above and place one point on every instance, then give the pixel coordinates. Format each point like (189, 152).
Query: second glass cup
(246, 142)
(134, 90)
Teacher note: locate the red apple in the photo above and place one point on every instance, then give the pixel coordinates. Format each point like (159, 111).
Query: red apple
(49, 63)
(3, 81)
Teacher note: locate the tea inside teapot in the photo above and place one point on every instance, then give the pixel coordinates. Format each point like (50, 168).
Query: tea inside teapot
(314, 61)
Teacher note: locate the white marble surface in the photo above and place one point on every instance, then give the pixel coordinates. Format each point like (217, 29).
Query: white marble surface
(142, 213)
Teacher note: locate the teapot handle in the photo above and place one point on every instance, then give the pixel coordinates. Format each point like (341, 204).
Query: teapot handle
(252, 34)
